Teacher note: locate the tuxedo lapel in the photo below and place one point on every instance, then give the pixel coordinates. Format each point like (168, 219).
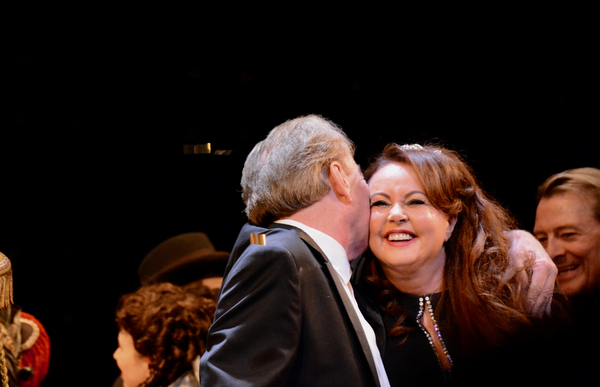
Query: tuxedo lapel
(351, 312)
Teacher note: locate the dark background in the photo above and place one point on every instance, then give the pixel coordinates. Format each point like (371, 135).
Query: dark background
(102, 96)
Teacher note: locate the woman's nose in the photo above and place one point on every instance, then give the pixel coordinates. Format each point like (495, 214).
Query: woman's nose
(397, 214)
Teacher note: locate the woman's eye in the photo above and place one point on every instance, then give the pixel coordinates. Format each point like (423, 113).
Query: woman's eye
(378, 203)
(415, 202)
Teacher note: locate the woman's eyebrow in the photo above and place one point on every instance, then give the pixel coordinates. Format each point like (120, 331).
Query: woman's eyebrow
(414, 193)
(382, 194)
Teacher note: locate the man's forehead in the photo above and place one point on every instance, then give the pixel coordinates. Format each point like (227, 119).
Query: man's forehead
(570, 201)
(566, 210)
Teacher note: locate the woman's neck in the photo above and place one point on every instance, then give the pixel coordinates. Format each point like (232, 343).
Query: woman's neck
(416, 282)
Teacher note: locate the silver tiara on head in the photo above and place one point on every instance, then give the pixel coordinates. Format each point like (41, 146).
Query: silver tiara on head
(417, 147)
(411, 147)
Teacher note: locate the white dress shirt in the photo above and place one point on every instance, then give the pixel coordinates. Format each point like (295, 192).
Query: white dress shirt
(339, 259)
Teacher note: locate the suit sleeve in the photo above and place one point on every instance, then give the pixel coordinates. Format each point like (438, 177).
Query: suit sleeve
(256, 331)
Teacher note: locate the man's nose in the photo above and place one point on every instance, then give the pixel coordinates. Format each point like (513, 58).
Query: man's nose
(556, 250)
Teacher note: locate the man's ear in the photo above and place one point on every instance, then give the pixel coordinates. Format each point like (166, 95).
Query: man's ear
(340, 183)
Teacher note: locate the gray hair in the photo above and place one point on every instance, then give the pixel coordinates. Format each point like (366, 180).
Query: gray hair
(583, 180)
(287, 171)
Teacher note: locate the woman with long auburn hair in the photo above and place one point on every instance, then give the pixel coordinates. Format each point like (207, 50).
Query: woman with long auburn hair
(442, 278)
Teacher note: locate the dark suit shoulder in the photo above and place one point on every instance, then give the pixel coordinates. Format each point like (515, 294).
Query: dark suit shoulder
(275, 239)
(282, 255)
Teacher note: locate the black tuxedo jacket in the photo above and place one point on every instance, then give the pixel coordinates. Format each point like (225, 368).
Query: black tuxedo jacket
(283, 319)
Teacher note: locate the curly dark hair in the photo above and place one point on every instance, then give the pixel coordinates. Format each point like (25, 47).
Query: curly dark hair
(168, 324)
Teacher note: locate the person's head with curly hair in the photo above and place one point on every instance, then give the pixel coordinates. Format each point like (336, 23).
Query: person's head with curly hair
(162, 330)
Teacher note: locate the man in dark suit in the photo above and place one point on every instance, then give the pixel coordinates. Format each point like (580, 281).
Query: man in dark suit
(286, 314)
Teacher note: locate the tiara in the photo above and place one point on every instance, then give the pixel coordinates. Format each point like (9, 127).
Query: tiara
(417, 147)
(411, 147)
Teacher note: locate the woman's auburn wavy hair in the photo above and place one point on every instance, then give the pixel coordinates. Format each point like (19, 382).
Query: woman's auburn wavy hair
(486, 295)
(168, 324)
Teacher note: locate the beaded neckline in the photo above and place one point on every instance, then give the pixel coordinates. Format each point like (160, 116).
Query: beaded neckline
(425, 305)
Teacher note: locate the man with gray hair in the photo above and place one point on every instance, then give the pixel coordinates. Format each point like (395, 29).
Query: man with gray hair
(287, 315)
(567, 223)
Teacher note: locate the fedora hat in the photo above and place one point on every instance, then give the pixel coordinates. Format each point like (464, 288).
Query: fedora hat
(183, 259)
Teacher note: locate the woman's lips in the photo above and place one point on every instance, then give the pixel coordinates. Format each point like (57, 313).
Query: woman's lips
(399, 236)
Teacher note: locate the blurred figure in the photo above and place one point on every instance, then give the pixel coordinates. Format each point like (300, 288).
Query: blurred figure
(188, 260)
(162, 332)
(567, 223)
(35, 351)
(24, 343)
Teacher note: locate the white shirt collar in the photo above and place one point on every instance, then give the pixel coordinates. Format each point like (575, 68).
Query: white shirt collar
(334, 251)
